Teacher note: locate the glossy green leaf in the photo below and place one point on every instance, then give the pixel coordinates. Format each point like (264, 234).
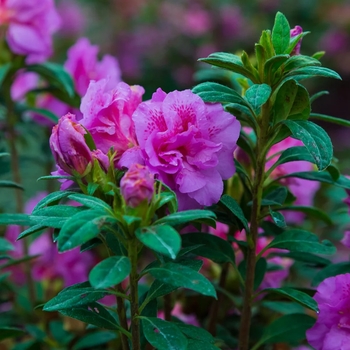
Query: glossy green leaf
(277, 218)
(202, 216)
(257, 95)
(92, 243)
(94, 314)
(91, 202)
(73, 297)
(286, 329)
(330, 271)
(275, 197)
(5, 245)
(10, 332)
(302, 241)
(163, 335)
(311, 72)
(163, 239)
(212, 247)
(94, 340)
(315, 139)
(231, 204)
(194, 332)
(280, 34)
(295, 295)
(183, 276)
(80, 228)
(110, 272)
(310, 212)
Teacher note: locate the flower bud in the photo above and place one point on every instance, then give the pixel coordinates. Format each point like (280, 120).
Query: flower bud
(293, 33)
(69, 147)
(137, 185)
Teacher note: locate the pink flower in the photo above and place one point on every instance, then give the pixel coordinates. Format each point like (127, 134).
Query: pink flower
(72, 267)
(187, 143)
(295, 32)
(137, 185)
(73, 18)
(83, 65)
(23, 83)
(178, 312)
(107, 114)
(332, 328)
(303, 190)
(346, 239)
(30, 27)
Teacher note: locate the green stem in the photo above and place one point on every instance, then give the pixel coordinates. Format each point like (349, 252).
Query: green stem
(261, 151)
(135, 322)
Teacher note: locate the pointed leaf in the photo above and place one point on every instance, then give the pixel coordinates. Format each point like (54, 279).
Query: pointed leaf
(183, 217)
(280, 34)
(257, 95)
(90, 202)
(235, 209)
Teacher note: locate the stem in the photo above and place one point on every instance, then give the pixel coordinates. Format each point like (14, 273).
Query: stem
(135, 322)
(214, 311)
(122, 317)
(254, 227)
(167, 307)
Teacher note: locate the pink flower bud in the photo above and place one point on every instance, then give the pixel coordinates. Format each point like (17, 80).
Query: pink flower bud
(295, 32)
(137, 185)
(68, 146)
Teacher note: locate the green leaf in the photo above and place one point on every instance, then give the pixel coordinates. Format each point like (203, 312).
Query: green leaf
(273, 63)
(280, 34)
(4, 70)
(235, 209)
(311, 72)
(286, 329)
(315, 139)
(54, 216)
(277, 218)
(260, 270)
(300, 61)
(330, 271)
(295, 295)
(56, 75)
(301, 107)
(163, 335)
(173, 204)
(202, 216)
(257, 95)
(31, 230)
(10, 332)
(92, 243)
(302, 241)
(91, 202)
(52, 117)
(310, 259)
(318, 55)
(214, 92)
(163, 239)
(329, 119)
(15, 219)
(284, 100)
(94, 314)
(5, 245)
(294, 41)
(10, 184)
(115, 245)
(195, 344)
(74, 296)
(228, 61)
(318, 95)
(110, 272)
(52, 198)
(275, 197)
(194, 332)
(310, 211)
(212, 247)
(56, 177)
(80, 228)
(94, 340)
(183, 276)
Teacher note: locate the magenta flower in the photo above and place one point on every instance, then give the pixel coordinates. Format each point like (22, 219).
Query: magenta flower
(30, 27)
(83, 65)
(295, 32)
(68, 146)
(187, 143)
(346, 239)
(107, 114)
(332, 328)
(137, 185)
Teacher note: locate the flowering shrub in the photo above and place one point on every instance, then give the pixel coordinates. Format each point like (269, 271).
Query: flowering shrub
(223, 175)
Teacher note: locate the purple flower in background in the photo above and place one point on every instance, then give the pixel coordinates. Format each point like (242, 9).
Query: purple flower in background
(23, 83)
(68, 146)
(295, 32)
(83, 65)
(137, 185)
(72, 266)
(73, 18)
(332, 328)
(30, 27)
(107, 114)
(188, 143)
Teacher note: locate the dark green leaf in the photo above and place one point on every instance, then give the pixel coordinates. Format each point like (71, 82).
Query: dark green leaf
(300, 61)
(94, 340)
(315, 139)
(5, 245)
(277, 218)
(92, 243)
(56, 177)
(194, 344)
(94, 314)
(260, 270)
(273, 63)
(329, 119)
(295, 295)
(202, 216)
(311, 72)
(91, 202)
(115, 245)
(110, 272)
(31, 230)
(310, 211)
(52, 198)
(275, 197)
(163, 239)
(257, 95)
(330, 271)
(235, 209)
(183, 276)
(10, 184)
(10, 332)
(284, 100)
(195, 332)
(302, 241)
(280, 34)
(163, 335)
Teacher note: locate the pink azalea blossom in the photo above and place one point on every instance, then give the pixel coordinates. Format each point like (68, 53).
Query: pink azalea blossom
(332, 328)
(178, 313)
(303, 190)
(187, 143)
(71, 267)
(295, 32)
(31, 25)
(73, 18)
(23, 83)
(107, 114)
